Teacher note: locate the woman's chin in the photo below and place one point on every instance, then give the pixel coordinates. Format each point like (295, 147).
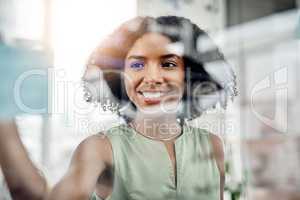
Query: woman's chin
(159, 109)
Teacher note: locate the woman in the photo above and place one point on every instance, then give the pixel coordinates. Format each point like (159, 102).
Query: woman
(157, 73)
(161, 72)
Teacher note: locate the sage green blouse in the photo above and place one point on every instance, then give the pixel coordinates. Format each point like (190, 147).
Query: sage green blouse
(143, 169)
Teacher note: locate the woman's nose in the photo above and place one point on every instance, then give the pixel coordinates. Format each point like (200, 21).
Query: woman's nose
(153, 74)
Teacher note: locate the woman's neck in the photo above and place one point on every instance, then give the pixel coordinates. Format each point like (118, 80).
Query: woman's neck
(159, 127)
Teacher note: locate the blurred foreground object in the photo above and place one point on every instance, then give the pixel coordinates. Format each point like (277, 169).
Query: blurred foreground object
(24, 80)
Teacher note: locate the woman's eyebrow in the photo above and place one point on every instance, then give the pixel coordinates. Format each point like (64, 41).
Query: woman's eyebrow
(137, 57)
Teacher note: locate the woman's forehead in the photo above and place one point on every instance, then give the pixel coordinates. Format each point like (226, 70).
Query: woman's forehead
(153, 44)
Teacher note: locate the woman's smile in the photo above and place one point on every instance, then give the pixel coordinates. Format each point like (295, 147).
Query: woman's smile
(153, 97)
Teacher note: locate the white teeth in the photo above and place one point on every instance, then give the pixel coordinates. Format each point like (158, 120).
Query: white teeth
(152, 94)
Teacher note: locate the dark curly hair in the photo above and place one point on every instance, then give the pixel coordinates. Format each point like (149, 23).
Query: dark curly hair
(208, 77)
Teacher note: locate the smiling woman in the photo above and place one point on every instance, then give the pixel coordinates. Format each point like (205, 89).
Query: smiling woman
(153, 72)
(152, 66)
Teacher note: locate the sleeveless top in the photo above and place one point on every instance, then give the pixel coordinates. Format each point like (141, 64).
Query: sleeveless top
(143, 169)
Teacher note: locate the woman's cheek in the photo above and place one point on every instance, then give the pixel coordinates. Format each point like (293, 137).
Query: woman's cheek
(130, 88)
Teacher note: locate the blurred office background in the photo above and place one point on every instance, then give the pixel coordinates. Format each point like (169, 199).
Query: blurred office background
(260, 40)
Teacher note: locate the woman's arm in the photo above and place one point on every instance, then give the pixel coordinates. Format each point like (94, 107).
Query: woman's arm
(90, 159)
(218, 151)
(23, 179)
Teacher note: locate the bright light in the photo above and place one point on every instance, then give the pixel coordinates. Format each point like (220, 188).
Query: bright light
(78, 26)
(29, 20)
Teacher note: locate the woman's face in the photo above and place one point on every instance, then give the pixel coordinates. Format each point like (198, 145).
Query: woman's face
(154, 74)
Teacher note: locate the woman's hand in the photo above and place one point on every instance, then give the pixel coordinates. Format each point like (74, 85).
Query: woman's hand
(24, 180)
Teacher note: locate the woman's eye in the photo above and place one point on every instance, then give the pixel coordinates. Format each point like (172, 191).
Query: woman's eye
(137, 65)
(169, 64)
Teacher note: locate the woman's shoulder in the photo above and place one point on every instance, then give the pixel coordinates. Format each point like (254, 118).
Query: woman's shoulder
(95, 148)
(216, 148)
(116, 131)
(204, 132)
(215, 141)
(104, 141)
(192, 129)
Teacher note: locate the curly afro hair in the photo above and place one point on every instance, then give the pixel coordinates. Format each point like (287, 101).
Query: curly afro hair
(208, 77)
